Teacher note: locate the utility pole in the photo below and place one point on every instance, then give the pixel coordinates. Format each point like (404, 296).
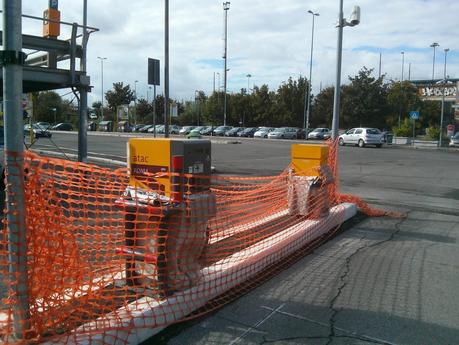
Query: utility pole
(166, 70)
(12, 61)
(214, 82)
(83, 114)
(135, 102)
(401, 91)
(380, 63)
(443, 101)
(226, 7)
(308, 87)
(102, 86)
(339, 52)
(433, 45)
(248, 82)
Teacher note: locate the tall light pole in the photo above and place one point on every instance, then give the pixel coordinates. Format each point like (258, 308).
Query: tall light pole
(401, 91)
(248, 82)
(307, 98)
(102, 86)
(226, 7)
(166, 69)
(434, 45)
(135, 102)
(198, 109)
(443, 100)
(355, 20)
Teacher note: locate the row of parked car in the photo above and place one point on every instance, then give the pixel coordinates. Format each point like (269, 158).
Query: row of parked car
(248, 132)
(42, 129)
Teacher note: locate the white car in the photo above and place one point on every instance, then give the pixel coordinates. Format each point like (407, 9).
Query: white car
(263, 132)
(362, 137)
(283, 133)
(454, 142)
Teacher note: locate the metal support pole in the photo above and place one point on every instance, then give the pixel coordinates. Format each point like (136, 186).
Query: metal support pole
(154, 111)
(83, 113)
(166, 71)
(308, 102)
(339, 51)
(14, 161)
(380, 64)
(135, 102)
(434, 46)
(102, 86)
(443, 102)
(401, 92)
(225, 56)
(214, 82)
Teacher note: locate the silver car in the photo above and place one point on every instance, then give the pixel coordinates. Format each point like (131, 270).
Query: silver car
(283, 133)
(362, 137)
(454, 142)
(319, 134)
(262, 132)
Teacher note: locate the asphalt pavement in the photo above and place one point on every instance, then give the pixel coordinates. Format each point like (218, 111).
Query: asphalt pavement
(381, 280)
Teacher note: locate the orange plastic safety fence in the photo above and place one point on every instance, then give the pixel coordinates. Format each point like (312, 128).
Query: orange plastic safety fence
(105, 259)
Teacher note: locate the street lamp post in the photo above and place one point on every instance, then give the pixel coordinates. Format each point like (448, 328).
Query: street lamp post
(248, 82)
(443, 101)
(307, 105)
(102, 86)
(226, 7)
(198, 108)
(355, 20)
(434, 45)
(135, 102)
(166, 69)
(401, 91)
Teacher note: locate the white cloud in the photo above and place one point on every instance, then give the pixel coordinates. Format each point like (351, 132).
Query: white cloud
(269, 39)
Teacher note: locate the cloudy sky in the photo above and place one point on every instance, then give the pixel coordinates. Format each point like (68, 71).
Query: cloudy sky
(269, 39)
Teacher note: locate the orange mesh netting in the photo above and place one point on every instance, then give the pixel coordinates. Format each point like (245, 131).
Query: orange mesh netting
(105, 259)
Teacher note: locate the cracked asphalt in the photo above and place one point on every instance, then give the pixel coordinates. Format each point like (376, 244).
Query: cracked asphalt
(379, 281)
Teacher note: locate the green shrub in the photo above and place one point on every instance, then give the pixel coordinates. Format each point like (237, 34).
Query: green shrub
(433, 133)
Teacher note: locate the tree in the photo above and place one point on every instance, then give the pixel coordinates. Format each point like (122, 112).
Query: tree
(364, 101)
(144, 111)
(119, 95)
(48, 107)
(322, 111)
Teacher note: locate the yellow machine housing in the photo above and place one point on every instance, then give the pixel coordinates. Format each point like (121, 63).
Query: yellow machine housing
(149, 157)
(52, 29)
(307, 159)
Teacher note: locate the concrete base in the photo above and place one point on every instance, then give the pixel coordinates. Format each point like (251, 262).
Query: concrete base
(144, 318)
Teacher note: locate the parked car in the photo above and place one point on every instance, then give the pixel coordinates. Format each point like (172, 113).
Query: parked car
(43, 125)
(220, 131)
(283, 133)
(174, 129)
(207, 130)
(186, 130)
(64, 126)
(160, 129)
(319, 134)
(362, 137)
(137, 127)
(38, 131)
(300, 133)
(144, 129)
(454, 141)
(248, 132)
(233, 132)
(197, 130)
(263, 132)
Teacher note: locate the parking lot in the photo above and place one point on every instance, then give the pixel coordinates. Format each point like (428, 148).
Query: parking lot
(381, 280)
